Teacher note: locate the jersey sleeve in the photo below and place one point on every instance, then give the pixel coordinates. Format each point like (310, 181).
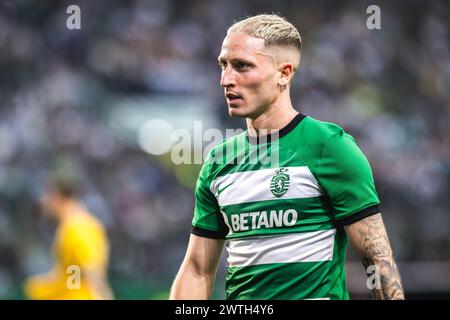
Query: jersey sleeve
(207, 221)
(345, 174)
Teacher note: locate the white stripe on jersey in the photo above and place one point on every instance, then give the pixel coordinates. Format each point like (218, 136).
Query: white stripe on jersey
(300, 247)
(252, 186)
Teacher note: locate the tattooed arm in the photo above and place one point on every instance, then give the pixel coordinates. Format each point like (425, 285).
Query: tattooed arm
(369, 239)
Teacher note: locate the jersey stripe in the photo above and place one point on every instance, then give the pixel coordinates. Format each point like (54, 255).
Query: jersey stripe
(287, 281)
(300, 247)
(256, 184)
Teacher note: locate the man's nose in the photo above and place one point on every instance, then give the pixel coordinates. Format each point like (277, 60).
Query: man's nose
(227, 79)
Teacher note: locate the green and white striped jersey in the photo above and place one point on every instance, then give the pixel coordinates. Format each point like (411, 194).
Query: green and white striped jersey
(283, 215)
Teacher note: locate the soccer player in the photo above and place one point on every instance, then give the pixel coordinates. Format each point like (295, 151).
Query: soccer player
(286, 222)
(80, 250)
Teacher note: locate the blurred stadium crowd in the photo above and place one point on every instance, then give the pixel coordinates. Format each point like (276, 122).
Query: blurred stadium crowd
(60, 91)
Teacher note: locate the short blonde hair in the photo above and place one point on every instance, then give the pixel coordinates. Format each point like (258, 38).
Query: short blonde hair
(273, 29)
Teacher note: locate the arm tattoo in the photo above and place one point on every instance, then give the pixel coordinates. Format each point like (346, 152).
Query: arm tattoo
(376, 250)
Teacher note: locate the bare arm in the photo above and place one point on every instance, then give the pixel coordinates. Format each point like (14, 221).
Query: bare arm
(369, 239)
(196, 277)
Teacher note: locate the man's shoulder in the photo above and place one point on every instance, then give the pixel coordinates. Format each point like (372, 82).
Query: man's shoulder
(319, 130)
(82, 223)
(312, 136)
(330, 140)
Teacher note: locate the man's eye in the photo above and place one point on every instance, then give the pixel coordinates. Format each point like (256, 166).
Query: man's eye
(241, 65)
(222, 65)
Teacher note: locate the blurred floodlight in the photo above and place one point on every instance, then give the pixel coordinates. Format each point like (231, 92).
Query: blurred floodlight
(153, 136)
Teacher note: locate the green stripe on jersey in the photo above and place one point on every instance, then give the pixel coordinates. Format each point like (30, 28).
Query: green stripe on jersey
(269, 217)
(281, 281)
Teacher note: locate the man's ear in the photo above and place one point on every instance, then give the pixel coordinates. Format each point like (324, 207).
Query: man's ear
(286, 73)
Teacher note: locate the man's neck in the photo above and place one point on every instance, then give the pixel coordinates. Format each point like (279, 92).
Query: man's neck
(272, 120)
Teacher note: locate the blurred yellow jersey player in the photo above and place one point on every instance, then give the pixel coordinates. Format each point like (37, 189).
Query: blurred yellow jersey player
(80, 251)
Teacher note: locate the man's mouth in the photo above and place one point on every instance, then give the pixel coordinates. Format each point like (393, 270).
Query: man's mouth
(233, 97)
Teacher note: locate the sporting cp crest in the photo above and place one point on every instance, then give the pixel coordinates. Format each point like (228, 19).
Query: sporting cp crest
(279, 184)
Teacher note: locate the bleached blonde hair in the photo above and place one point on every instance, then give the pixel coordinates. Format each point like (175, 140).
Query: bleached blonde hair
(273, 29)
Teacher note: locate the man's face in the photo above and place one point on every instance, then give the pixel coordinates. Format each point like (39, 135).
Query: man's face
(249, 75)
